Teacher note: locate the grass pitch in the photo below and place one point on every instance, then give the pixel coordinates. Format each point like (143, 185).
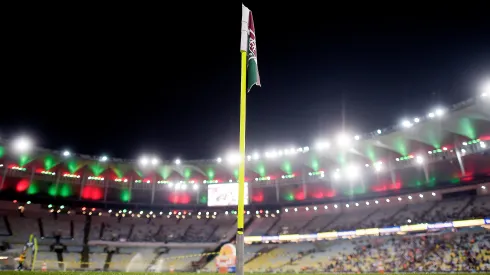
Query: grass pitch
(193, 273)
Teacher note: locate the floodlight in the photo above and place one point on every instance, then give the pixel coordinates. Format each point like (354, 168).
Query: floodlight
(485, 88)
(103, 158)
(420, 160)
(440, 112)
(219, 160)
(272, 154)
(177, 161)
(22, 144)
(144, 161)
(154, 161)
(406, 124)
(343, 140)
(353, 172)
(320, 145)
(233, 158)
(66, 153)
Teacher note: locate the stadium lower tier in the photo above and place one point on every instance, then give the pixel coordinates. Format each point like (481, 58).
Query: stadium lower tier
(467, 250)
(18, 222)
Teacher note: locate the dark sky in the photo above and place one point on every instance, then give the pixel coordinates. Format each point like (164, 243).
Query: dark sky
(123, 80)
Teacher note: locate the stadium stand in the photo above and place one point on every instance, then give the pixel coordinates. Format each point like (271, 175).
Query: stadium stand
(291, 217)
(440, 250)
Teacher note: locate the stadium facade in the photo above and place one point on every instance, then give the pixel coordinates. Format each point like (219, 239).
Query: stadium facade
(445, 148)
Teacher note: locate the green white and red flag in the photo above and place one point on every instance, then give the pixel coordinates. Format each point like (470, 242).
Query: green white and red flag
(248, 44)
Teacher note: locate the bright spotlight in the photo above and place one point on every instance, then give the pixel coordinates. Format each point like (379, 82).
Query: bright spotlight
(406, 124)
(485, 89)
(233, 158)
(320, 145)
(154, 161)
(420, 160)
(271, 154)
(343, 140)
(439, 112)
(219, 160)
(103, 158)
(144, 161)
(22, 145)
(353, 172)
(177, 161)
(66, 153)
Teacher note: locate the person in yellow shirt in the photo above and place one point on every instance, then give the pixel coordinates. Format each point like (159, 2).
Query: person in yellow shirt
(21, 260)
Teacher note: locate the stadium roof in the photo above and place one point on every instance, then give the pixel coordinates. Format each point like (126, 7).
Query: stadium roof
(439, 130)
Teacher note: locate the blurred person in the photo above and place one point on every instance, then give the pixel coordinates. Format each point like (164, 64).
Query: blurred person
(21, 259)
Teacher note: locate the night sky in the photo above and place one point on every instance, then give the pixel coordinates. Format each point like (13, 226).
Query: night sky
(126, 80)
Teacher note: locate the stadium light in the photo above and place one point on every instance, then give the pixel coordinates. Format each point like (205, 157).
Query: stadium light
(233, 158)
(271, 154)
(22, 145)
(343, 140)
(353, 172)
(144, 161)
(407, 124)
(154, 161)
(485, 89)
(420, 160)
(440, 112)
(320, 145)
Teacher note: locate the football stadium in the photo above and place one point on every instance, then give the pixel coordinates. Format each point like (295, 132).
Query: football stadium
(406, 198)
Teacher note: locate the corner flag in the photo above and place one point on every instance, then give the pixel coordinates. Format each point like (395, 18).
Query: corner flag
(248, 44)
(249, 78)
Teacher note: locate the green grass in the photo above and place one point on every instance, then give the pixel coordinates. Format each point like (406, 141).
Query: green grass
(191, 273)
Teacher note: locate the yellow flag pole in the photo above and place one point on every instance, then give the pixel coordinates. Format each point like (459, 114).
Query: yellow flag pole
(241, 170)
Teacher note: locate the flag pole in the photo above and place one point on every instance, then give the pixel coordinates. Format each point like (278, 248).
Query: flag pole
(240, 244)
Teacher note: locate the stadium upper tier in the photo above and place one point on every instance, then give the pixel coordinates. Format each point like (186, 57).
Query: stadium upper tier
(441, 148)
